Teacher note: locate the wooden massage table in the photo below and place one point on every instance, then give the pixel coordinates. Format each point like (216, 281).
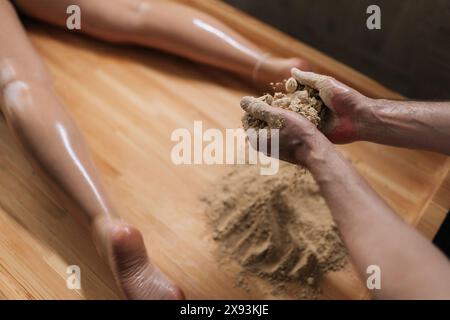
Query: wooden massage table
(127, 101)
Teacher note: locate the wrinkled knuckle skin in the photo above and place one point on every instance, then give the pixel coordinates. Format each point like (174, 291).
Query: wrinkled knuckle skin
(130, 267)
(326, 82)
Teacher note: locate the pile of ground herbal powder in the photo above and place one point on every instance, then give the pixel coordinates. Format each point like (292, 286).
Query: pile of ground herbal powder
(277, 228)
(298, 98)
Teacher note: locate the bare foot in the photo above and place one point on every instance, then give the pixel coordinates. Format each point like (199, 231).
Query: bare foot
(277, 69)
(136, 276)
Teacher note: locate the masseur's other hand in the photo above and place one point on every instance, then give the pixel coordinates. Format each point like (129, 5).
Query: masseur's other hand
(300, 142)
(347, 107)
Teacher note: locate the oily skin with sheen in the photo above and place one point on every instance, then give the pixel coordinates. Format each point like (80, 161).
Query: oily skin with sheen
(54, 144)
(171, 27)
(52, 140)
(411, 267)
(56, 148)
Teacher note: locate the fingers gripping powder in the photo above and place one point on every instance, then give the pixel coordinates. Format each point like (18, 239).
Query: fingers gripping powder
(298, 98)
(260, 111)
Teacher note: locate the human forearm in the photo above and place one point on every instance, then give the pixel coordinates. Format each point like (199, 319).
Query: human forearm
(411, 267)
(410, 124)
(353, 116)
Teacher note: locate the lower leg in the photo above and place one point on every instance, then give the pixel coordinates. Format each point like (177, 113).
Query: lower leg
(171, 27)
(52, 141)
(61, 158)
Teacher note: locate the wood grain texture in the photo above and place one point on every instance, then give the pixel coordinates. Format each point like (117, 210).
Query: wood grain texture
(127, 101)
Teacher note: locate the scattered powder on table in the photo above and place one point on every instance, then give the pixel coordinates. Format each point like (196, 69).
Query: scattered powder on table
(277, 228)
(299, 98)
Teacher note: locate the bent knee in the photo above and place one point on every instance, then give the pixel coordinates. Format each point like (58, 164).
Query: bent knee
(16, 98)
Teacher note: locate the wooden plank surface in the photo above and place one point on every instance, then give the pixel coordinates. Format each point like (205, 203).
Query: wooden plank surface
(128, 101)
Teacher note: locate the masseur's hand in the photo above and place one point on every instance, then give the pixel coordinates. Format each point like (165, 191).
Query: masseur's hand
(300, 142)
(347, 107)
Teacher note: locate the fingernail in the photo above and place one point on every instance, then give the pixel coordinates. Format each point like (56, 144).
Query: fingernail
(295, 70)
(245, 102)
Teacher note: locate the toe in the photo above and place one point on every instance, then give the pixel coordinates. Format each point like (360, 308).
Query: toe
(136, 275)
